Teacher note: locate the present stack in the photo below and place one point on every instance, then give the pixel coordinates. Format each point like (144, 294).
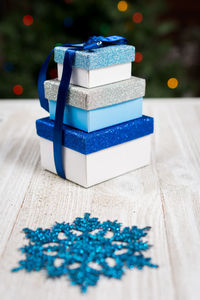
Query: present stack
(104, 132)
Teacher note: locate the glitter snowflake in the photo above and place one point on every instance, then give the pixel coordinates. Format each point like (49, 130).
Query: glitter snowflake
(84, 250)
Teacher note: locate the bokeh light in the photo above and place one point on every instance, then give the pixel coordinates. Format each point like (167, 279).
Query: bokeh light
(137, 17)
(68, 21)
(172, 83)
(28, 20)
(18, 89)
(138, 57)
(68, 1)
(122, 6)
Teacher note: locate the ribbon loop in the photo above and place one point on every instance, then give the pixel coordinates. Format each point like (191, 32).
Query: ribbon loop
(100, 41)
(44, 103)
(93, 43)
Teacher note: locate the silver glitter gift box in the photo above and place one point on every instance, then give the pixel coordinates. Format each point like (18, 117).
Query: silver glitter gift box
(100, 107)
(105, 95)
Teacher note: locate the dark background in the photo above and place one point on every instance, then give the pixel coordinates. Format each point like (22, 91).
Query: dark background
(167, 40)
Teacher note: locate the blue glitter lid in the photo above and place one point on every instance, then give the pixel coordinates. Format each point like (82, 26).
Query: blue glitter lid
(98, 58)
(87, 143)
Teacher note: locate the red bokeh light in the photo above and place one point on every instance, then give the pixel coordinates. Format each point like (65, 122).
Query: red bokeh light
(28, 20)
(68, 1)
(18, 89)
(137, 17)
(138, 57)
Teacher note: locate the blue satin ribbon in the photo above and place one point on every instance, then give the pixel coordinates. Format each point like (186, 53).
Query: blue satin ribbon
(93, 43)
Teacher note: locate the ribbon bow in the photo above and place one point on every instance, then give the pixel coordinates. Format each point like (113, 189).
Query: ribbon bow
(93, 43)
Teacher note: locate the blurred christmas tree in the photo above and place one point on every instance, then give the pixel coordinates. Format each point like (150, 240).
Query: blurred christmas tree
(30, 29)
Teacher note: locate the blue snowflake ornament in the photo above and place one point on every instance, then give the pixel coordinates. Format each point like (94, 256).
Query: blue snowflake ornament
(85, 250)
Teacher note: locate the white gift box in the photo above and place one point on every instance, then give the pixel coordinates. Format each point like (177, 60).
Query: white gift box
(91, 158)
(97, 77)
(88, 170)
(98, 67)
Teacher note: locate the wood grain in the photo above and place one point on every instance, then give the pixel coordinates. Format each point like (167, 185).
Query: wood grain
(164, 195)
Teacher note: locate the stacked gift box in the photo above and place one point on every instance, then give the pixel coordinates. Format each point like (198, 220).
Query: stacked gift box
(104, 131)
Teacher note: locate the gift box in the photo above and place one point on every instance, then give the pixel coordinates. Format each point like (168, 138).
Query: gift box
(98, 66)
(100, 107)
(96, 130)
(90, 158)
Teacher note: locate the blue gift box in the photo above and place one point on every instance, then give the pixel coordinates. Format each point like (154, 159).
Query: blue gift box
(95, 119)
(98, 58)
(97, 108)
(87, 143)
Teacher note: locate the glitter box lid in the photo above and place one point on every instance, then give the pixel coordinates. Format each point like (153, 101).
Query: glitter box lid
(101, 96)
(87, 143)
(98, 58)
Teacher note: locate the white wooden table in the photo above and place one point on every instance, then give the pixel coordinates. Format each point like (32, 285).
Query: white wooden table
(165, 195)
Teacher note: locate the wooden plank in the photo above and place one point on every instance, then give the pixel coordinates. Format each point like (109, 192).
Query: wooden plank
(18, 158)
(164, 195)
(177, 164)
